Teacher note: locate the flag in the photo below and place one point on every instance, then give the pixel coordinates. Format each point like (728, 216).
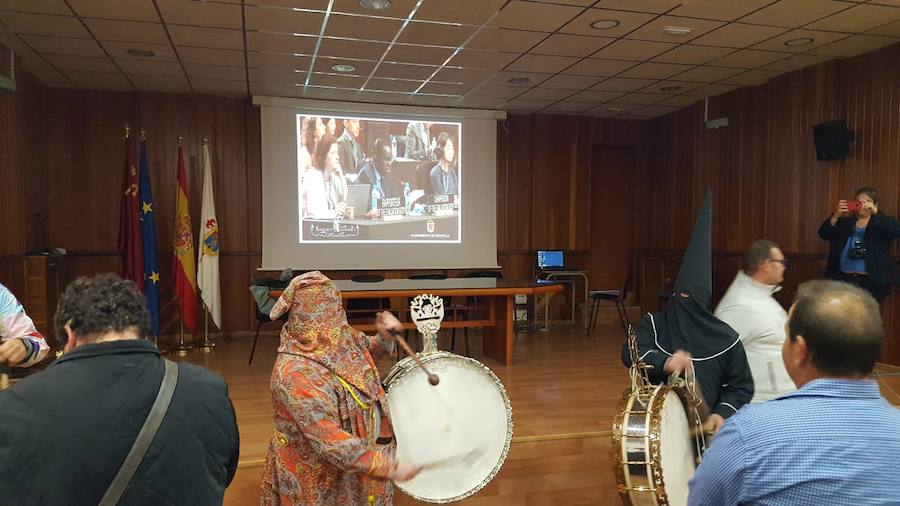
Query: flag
(130, 223)
(148, 237)
(183, 252)
(208, 254)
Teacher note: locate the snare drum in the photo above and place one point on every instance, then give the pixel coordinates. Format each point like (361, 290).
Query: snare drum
(656, 445)
(462, 427)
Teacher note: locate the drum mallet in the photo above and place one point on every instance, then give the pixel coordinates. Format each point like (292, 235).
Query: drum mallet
(432, 378)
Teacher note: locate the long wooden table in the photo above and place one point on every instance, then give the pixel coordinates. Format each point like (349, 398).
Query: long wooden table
(499, 329)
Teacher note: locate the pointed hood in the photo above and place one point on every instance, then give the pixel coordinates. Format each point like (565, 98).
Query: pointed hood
(695, 275)
(687, 319)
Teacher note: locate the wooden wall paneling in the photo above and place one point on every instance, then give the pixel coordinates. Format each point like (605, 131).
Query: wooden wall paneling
(12, 274)
(238, 309)
(516, 265)
(503, 188)
(581, 206)
(85, 168)
(518, 186)
(553, 147)
(613, 209)
(252, 170)
(13, 119)
(890, 350)
(35, 144)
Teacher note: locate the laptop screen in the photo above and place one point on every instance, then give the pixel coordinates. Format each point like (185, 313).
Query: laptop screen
(359, 198)
(550, 259)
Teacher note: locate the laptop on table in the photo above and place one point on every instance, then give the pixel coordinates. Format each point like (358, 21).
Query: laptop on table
(550, 260)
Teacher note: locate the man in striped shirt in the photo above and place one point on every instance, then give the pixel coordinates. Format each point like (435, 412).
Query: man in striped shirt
(833, 441)
(20, 343)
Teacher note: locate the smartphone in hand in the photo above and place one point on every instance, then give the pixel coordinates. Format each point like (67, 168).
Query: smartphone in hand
(854, 205)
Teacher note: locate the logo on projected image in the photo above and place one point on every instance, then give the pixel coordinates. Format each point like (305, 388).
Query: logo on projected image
(429, 226)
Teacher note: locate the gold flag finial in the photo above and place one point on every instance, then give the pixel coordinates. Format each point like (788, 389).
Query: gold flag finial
(180, 140)
(143, 135)
(205, 140)
(127, 131)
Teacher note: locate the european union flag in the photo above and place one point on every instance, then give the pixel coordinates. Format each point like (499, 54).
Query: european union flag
(148, 237)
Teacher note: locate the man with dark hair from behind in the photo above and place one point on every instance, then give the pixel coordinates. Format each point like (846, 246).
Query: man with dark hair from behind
(66, 431)
(749, 307)
(833, 441)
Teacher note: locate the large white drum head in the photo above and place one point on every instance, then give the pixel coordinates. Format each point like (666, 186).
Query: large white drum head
(676, 449)
(463, 426)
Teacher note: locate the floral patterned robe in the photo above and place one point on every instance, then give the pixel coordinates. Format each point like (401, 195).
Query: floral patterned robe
(333, 441)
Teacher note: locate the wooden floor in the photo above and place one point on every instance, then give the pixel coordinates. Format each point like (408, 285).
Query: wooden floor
(563, 387)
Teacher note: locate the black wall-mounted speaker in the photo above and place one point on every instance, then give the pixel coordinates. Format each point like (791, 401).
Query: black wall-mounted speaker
(832, 140)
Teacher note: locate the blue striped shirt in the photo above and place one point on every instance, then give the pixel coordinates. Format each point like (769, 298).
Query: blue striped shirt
(831, 442)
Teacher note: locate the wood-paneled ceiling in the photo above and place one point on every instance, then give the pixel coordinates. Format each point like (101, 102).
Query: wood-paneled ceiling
(598, 57)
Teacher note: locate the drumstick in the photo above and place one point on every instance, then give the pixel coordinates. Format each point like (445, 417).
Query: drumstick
(463, 457)
(432, 378)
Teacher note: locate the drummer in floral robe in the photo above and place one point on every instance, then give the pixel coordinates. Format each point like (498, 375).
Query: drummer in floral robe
(333, 442)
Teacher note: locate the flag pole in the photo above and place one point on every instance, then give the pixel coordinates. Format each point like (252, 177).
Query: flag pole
(144, 138)
(183, 347)
(207, 345)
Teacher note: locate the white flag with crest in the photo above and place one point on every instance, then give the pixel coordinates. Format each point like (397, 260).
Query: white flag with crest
(208, 252)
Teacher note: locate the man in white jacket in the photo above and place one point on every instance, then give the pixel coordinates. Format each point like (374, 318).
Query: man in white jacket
(750, 308)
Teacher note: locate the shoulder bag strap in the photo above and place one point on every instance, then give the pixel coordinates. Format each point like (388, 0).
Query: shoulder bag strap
(144, 437)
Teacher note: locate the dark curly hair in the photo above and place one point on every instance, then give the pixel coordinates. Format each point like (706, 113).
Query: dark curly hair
(96, 305)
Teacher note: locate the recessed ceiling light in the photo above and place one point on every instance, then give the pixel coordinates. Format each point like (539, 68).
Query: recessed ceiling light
(518, 80)
(343, 68)
(143, 53)
(803, 41)
(375, 5)
(670, 88)
(604, 24)
(679, 31)
(616, 109)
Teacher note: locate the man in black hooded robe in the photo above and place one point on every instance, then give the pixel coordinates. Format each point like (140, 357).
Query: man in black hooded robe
(686, 334)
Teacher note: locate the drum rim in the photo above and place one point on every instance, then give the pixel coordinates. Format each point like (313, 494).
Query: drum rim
(407, 364)
(654, 399)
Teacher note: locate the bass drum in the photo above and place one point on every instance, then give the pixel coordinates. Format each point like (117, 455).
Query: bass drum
(460, 430)
(655, 446)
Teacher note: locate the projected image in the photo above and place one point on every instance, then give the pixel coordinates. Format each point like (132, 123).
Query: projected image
(378, 180)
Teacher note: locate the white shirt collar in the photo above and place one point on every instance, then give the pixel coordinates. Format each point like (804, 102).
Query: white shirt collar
(755, 286)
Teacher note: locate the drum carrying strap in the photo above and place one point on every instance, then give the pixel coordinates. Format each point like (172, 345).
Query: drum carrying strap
(144, 437)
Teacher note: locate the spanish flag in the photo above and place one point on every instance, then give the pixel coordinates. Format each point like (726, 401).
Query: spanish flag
(183, 252)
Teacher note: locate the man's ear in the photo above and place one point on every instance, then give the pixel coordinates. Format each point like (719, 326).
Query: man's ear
(801, 352)
(70, 338)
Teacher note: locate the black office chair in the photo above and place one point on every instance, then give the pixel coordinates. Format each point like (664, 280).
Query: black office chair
(366, 308)
(261, 317)
(472, 305)
(617, 297)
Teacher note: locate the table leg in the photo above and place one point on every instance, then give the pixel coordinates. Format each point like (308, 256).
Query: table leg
(498, 340)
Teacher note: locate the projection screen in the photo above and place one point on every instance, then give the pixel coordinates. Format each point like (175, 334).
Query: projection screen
(350, 186)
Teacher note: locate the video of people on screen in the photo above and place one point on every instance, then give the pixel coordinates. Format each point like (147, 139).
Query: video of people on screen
(356, 173)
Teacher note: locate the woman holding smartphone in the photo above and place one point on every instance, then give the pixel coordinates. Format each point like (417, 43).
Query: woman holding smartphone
(859, 238)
